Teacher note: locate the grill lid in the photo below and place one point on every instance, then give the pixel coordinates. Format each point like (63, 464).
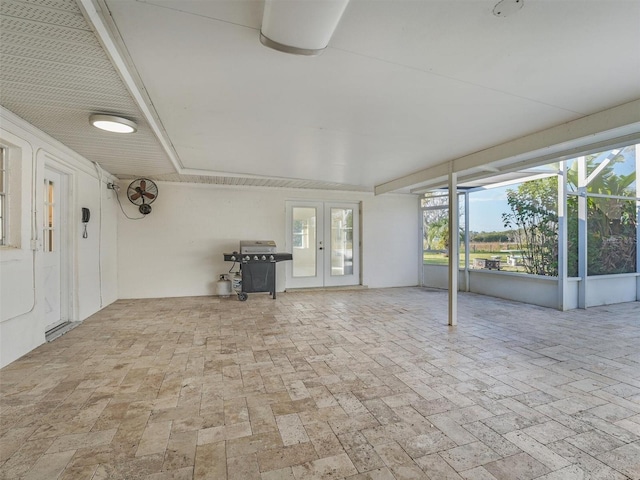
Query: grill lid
(257, 246)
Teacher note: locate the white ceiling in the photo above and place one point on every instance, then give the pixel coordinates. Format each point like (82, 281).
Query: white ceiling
(404, 84)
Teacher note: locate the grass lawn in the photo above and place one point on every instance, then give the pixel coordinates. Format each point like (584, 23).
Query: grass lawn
(441, 259)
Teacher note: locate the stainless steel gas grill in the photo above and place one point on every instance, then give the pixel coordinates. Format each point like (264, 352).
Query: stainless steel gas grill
(257, 259)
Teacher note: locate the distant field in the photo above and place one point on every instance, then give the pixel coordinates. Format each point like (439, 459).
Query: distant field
(441, 259)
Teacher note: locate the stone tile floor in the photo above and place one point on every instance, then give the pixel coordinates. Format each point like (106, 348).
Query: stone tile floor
(359, 385)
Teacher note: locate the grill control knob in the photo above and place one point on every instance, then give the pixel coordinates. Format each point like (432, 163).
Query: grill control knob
(247, 258)
(263, 257)
(271, 258)
(233, 258)
(255, 257)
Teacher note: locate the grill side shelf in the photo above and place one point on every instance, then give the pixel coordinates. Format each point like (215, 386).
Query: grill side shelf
(241, 258)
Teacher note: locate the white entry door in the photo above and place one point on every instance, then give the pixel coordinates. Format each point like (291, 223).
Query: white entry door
(324, 239)
(52, 249)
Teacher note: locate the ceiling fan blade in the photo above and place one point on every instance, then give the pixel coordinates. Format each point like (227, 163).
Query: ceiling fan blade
(135, 196)
(150, 196)
(143, 185)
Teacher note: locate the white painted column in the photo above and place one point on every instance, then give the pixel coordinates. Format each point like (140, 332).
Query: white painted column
(563, 266)
(582, 231)
(420, 242)
(637, 221)
(466, 242)
(453, 248)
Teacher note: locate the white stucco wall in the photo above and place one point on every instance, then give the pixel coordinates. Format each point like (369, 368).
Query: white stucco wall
(539, 290)
(610, 289)
(22, 323)
(534, 289)
(177, 249)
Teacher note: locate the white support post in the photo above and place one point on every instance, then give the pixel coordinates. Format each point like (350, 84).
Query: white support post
(637, 221)
(420, 242)
(563, 265)
(466, 242)
(453, 248)
(582, 231)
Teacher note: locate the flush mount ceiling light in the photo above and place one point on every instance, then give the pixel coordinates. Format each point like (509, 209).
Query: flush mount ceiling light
(505, 8)
(112, 123)
(301, 27)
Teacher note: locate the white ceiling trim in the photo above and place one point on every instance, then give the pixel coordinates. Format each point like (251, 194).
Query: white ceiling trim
(241, 182)
(488, 172)
(499, 180)
(527, 150)
(621, 123)
(97, 14)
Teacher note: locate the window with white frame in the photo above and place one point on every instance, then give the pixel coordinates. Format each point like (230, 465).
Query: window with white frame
(3, 197)
(11, 168)
(514, 222)
(435, 228)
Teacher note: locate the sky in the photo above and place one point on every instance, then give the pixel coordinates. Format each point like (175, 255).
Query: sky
(487, 206)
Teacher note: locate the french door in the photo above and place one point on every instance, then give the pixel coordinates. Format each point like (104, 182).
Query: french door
(324, 239)
(52, 246)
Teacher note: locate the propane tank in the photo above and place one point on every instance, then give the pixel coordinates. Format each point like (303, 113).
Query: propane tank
(237, 282)
(223, 287)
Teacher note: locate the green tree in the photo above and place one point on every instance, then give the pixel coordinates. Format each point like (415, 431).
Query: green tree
(437, 234)
(534, 217)
(611, 235)
(491, 237)
(431, 219)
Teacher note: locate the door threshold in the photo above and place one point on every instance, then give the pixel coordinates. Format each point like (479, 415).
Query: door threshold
(60, 330)
(327, 289)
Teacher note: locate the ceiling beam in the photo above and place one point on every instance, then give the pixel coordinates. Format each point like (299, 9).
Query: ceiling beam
(97, 15)
(568, 138)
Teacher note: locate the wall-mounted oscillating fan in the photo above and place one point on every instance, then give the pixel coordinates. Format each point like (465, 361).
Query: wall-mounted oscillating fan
(142, 192)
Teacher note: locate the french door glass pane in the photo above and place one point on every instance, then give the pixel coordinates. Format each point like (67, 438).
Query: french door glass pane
(304, 242)
(341, 241)
(49, 216)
